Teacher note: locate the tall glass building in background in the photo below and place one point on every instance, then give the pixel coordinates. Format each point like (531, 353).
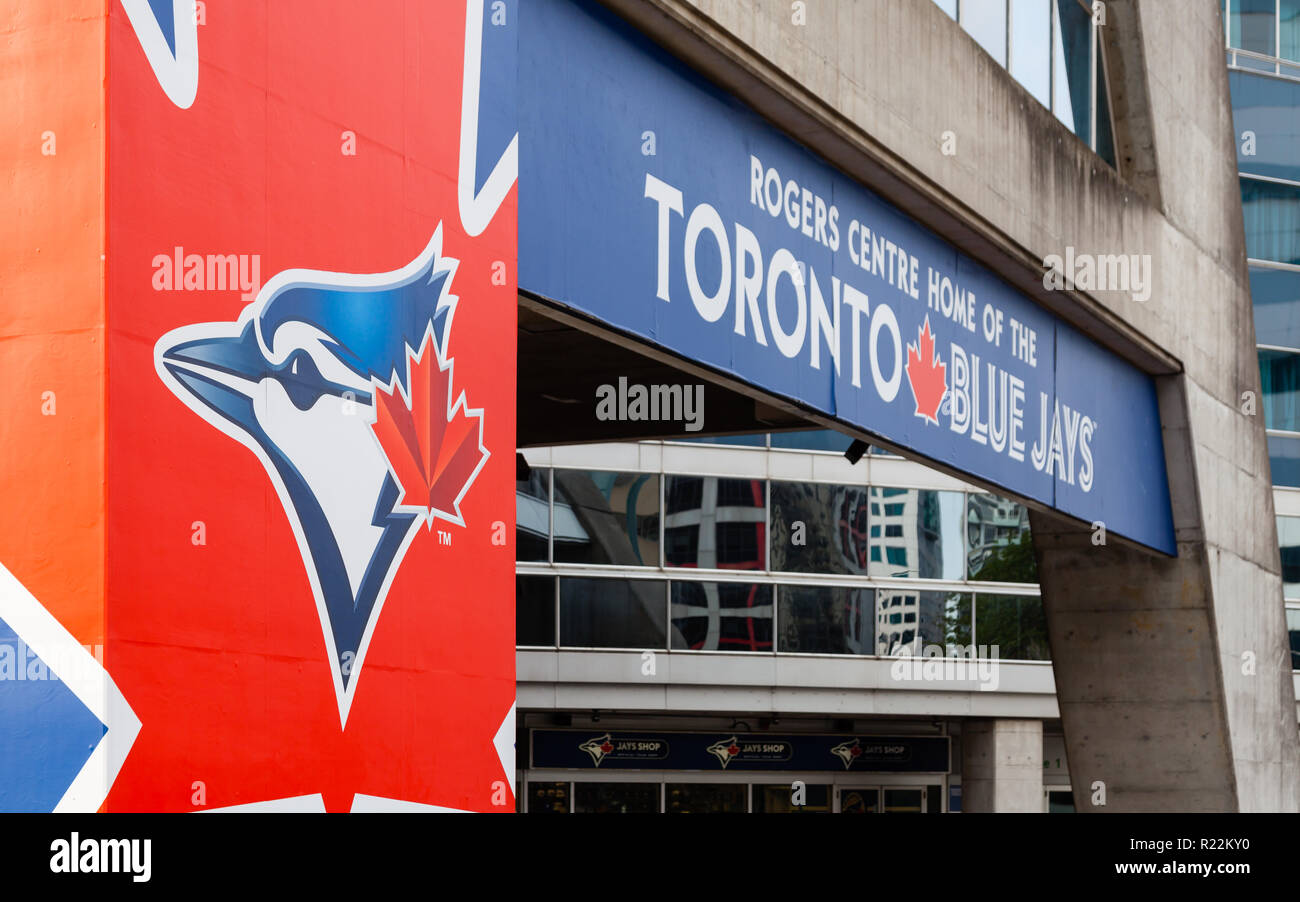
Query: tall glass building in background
(1263, 55)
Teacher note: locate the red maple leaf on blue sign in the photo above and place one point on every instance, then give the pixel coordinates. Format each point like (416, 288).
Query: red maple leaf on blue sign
(434, 448)
(927, 376)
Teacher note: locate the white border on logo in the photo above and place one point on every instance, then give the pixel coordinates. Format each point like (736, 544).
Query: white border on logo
(178, 75)
(89, 682)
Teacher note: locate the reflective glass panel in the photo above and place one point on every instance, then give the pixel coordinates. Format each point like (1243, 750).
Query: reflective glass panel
(1284, 460)
(999, 546)
(1031, 47)
(819, 528)
(706, 798)
(1279, 376)
(714, 523)
(906, 800)
(1275, 294)
(917, 532)
(534, 610)
(1013, 623)
(714, 616)
(1289, 29)
(1251, 24)
(750, 440)
(612, 613)
(859, 801)
(1272, 214)
(1268, 108)
(606, 518)
(532, 515)
(813, 440)
(548, 798)
(908, 621)
(1073, 67)
(986, 22)
(1288, 540)
(1060, 801)
(825, 619)
(616, 798)
(1293, 630)
(780, 798)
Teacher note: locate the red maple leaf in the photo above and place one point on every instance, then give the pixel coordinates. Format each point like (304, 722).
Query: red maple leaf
(432, 453)
(927, 376)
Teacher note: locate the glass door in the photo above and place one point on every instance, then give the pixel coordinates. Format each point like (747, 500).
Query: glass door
(903, 799)
(881, 799)
(859, 800)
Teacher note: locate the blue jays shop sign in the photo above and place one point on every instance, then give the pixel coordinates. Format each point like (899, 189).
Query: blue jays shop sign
(659, 205)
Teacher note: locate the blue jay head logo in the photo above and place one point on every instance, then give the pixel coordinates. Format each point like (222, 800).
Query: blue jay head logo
(342, 386)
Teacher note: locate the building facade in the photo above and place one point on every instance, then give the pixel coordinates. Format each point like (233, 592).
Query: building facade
(732, 631)
(1263, 41)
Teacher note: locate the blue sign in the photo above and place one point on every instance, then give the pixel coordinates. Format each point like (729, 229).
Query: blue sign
(656, 203)
(722, 751)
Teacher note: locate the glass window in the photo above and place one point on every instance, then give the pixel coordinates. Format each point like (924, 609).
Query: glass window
(612, 613)
(532, 515)
(833, 620)
(904, 800)
(1272, 215)
(1073, 66)
(779, 798)
(607, 518)
(936, 618)
(921, 534)
(1031, 47)
(1288, 540)
(749, 439)
(1276, 297)
(986, 22)
(1060, 801)
(1250, 25)
(715, 616)
(948, 6)
(706, 798)
(616, 798)
(1013, 623)
(548, 798)
(714, 523)
(812, 440)
(1293, 630)
(818, 528)
(1105, 145)
(1279, 376)
(1289, 30)
(1284, 460)
(1270, 109)
(534, 610)
(999, 546)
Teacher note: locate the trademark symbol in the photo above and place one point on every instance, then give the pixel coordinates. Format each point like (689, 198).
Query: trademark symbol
(444, 537)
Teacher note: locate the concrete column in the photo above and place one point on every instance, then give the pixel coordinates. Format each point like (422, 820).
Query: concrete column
(1002, 766)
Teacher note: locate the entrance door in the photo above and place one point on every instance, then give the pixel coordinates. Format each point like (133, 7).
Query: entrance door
(881, 799)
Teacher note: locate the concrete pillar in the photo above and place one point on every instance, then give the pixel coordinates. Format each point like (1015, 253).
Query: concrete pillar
(1002, 766)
